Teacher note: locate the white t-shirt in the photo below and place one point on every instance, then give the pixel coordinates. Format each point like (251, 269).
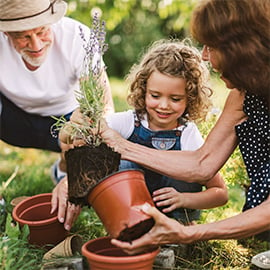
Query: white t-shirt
(49, 90)
(123, 122)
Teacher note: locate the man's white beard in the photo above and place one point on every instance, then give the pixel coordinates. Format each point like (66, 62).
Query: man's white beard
(35, 61)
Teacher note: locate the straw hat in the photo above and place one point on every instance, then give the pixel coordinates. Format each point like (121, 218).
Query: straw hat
(22, 15)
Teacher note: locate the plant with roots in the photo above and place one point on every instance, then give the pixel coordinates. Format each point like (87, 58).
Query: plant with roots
(87, 165)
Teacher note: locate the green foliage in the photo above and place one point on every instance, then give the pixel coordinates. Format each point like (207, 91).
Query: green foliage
(134, 24)
(14, 249)
(120, 90)
(88, 225)
(15, 254)
(234, 171)
(13, 230)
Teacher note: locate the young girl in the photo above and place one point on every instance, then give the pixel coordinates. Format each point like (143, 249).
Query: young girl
(168, 90)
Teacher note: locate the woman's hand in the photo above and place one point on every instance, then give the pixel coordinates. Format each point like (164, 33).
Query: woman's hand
(111, 137)
(67, 211)
(76, 119)
(168, 197)
(165, 230)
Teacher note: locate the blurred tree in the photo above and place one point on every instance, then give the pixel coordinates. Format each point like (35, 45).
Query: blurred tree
(132, 25)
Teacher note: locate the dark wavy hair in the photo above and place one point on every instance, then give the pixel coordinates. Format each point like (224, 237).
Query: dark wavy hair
(240, 32)
(178, 59)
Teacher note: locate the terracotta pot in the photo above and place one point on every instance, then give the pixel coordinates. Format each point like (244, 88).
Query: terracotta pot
(44, 227)
(17, 200)
(116, 200)
(68, 247)
(102, 255)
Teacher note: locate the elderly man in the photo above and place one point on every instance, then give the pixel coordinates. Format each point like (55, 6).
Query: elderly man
(41, 54)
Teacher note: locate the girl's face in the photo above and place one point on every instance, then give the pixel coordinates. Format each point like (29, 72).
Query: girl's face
(165, 100)
(210, 54)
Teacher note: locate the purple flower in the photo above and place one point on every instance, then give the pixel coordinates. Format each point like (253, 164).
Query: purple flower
(94, 48)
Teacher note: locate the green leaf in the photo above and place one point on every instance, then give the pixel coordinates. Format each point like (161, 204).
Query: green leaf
(12, 228)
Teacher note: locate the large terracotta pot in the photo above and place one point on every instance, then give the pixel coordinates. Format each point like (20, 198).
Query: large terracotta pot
(116, 200)
(44, 227)
(102, 255)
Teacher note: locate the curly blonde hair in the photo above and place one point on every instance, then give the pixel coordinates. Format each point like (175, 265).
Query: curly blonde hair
(178, 59)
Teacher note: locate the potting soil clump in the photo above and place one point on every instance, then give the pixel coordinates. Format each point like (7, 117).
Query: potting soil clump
(86, 167)
(136, 231)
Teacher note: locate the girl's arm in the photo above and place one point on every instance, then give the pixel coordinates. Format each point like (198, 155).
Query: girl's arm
(215, 195)
(201, 164)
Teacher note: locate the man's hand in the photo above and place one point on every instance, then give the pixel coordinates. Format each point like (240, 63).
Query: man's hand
(67, 211)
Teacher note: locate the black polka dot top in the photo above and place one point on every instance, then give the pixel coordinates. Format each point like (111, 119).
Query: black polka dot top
(254, 144)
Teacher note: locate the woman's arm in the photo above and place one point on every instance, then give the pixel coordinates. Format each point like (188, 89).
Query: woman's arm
(201, 164)
(215, 195)
(166, 230)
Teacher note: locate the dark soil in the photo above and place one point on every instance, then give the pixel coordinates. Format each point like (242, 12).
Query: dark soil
(136, 231)
(86, 166)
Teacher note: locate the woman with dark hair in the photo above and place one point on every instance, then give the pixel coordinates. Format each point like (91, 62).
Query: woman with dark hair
(235, 35)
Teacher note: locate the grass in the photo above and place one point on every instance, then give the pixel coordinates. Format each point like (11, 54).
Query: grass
(32, 176)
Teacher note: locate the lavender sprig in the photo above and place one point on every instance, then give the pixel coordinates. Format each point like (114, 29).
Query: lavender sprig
(91, 94)
(94, 48)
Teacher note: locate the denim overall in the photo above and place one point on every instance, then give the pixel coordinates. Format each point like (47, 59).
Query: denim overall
(162, 140)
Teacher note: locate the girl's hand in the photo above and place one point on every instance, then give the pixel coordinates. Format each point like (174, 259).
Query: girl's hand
(168, 197)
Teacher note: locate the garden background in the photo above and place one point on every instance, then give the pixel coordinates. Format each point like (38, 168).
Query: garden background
(131, 26)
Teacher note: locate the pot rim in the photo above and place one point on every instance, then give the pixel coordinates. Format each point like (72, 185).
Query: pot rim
(16, 209)
(112, 174)
(115, 259)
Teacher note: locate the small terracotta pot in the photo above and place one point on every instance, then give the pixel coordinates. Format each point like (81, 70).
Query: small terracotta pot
(116, 200)
(17, 200)
(44, 227)
(102, 255)
(68, 247)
